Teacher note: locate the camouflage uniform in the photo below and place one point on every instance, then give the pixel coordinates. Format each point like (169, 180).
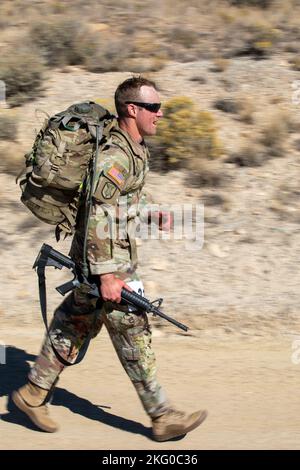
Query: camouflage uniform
(121, 171)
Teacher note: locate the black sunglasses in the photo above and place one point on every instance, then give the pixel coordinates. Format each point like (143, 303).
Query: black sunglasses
(152, 107)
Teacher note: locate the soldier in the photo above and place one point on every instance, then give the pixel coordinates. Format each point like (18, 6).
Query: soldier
(120, 176)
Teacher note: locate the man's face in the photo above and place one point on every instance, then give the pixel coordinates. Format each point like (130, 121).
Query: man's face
(146, 120)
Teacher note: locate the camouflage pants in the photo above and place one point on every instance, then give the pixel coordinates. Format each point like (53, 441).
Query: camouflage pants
(78, 317)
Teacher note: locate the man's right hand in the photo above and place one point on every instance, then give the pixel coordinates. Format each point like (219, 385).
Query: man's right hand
(111, 287)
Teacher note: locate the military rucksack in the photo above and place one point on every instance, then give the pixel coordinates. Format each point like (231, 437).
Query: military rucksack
(61, 157)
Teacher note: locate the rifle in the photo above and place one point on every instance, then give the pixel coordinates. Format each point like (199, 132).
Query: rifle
(48, 256)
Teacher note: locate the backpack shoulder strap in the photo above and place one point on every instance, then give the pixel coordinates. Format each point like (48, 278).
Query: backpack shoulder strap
(121, 141)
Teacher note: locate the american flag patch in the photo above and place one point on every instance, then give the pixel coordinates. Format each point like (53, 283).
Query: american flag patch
(116, 175)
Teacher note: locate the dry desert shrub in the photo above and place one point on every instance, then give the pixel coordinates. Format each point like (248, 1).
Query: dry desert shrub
(141, 54)
(182, 35)
(275, 131)
(8, 126)
(286, 200)
(227, 105)
(62, 41)
(246, 109)
(11, 12)
(220, 64)
(206, 173)
(11, 158)
(249, 156)
(22, 71)
(295, 61)
(186, 136)
(252, 3)
(250, 34)
(241, 105)
(107, 56)
(97, 47)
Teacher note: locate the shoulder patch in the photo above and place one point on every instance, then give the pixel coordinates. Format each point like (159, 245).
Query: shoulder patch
(108, 190)
(117, 174)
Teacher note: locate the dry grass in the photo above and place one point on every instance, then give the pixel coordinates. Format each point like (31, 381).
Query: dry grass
(205, 173)
(286, 201)
(252, 3)
(246, 108)
(22, 71)
(11, 158)
(107, 56)
(8, 126)
(295, 62)
(276, 130)
(220, 64)
(227, 105)
(249, 156)
(63, 41)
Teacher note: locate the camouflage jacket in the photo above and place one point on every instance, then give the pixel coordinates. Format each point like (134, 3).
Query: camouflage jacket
(117, 200)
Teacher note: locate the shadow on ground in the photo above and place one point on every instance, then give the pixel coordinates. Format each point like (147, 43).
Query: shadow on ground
(13, 375)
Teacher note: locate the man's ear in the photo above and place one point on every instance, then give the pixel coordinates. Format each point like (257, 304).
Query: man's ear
(131, 109)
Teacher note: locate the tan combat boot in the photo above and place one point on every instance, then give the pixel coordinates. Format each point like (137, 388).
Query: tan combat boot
(31, 400)
(175, 423)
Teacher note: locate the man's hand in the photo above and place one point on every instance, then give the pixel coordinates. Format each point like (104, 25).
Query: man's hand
(111, 286)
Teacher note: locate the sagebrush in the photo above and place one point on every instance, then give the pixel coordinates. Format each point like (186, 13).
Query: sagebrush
(186, 134)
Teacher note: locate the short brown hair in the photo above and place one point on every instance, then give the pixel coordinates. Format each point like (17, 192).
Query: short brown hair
(130, 90)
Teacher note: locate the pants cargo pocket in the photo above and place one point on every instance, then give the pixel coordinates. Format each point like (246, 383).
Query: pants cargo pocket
(130, 358)
(131, 354)
(131, 336)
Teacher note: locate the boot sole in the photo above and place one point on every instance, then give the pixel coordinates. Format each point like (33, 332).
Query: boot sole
(19, 402)
(171, 435)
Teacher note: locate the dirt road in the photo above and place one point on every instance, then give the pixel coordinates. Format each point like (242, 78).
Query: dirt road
(250, 388)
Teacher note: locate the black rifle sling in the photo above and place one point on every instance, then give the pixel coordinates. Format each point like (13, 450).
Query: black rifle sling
(43, 301)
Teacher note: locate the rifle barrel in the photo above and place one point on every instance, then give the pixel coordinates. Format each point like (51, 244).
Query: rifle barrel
(161, 314)
(145, 304)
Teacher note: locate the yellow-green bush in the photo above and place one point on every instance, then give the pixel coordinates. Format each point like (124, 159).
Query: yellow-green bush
(264, 37)
(186, 134)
